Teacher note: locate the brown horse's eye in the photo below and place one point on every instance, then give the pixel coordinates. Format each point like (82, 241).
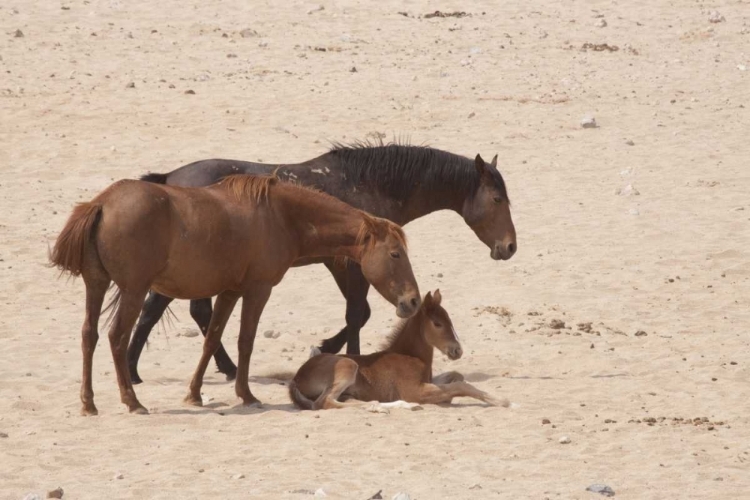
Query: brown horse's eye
(395, 255)
(498, 199)
(437, 325)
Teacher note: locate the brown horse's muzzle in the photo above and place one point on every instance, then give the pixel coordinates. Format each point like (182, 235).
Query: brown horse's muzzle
(503, 251)
(408, 305)
(454, 352)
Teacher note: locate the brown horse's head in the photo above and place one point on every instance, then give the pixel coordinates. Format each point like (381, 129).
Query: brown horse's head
(385, 264)
(438, 327)
(487, 212)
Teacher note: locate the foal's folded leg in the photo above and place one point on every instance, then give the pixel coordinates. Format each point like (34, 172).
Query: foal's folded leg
(435, 394)
(344, 375)
(447, 378)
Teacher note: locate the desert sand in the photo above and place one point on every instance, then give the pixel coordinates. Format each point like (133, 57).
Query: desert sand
(95, 91)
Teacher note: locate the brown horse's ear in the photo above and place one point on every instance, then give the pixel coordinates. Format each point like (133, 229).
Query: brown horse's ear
(375, 226)
(427, 302)
(436, 297)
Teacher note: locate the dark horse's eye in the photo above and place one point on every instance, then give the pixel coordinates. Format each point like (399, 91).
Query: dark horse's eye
(498, 199)
(395, 255)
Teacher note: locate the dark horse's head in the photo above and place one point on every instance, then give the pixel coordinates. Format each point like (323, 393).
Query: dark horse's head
(487, 211)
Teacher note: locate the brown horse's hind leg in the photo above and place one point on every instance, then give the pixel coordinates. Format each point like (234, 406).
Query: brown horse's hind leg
(97, 283)
(222, 310)
(344, 375)
(119, 337)
(436, 394)
(253, 303)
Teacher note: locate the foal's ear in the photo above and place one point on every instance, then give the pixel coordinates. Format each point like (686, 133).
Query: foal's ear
(436, 297)
(428, 300)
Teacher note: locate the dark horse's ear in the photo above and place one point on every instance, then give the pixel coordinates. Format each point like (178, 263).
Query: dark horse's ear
(481, 166)
(436, 297)
(493, 163)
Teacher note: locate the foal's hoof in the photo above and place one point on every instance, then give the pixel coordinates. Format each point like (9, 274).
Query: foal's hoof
(138, 410)
(89, 410)
(193, 400)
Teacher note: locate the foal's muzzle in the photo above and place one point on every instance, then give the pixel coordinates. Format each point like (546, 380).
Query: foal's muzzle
(408, 306)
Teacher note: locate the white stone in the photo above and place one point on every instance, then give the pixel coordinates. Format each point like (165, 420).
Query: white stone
(564, 440)
(588, 122)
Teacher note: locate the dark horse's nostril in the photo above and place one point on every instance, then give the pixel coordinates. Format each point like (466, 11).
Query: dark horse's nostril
(511, 248)
(414, 302)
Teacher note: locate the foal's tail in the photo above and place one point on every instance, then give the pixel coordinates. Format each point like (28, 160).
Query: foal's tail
(70, 247)
(299, 399)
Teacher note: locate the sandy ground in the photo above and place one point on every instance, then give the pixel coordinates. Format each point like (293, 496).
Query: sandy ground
(672, 261)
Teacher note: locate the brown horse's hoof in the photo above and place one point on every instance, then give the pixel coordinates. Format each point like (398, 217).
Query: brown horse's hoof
(138, 410)
(89, 410)
(193, 400)
(251, 403)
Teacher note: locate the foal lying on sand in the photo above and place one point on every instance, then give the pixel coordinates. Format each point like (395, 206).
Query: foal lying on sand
(402, 371)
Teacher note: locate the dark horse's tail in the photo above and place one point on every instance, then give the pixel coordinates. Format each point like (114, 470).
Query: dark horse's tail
(299, 399)
(155, 178)
(70, 248)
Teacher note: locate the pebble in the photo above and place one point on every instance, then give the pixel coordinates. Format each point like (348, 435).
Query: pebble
(353, 70)
(546, 421)
(715, 17)
(3, 435)
(602, 489)
(742, 67)
(56, 493)
(557, 324)
(634, 211)
(119, 475)
(270, 334)
(248, 33)
(629, 143)
(588, 122)
(640, 333)
(564, 440)
(628, 190)
(319, 493)
(190, 333)
(32, 496)
(238, 476)
(472, 114)
(401, 496)
(377, 496)
(130, 85)
(18, 34)
(601, 23)
(190, 92)
(316, 9)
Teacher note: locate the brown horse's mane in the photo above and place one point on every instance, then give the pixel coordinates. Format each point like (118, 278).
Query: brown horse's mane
(253, 186)
(398, 168)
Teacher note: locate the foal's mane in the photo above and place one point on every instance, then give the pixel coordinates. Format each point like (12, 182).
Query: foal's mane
(392, 337)
(398, 168)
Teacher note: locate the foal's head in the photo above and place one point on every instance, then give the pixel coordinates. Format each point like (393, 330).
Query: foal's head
(487, 212)
(438, 328)
(386, 265)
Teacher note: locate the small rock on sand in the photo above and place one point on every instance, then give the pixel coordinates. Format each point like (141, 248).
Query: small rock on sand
(564, 440)
(319, 493)
(588, 122)
(602, 489)
(32, 496)
(248, 33)
(190, 333)
(640, 333)
(238, 476)
(119, 475)
(557, 324)
(270, 334)
(401, 496)
(715, 17)
(545, 421)
(628, 190)
(601, 23)
(3, 435)
(315, 9)
(377, 496)
(56, 493)
(629, 143)
(130, 85)
(18, 34)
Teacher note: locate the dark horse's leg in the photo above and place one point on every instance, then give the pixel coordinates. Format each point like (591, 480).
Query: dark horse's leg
(201, 312)
(153, 309)
(354, 288)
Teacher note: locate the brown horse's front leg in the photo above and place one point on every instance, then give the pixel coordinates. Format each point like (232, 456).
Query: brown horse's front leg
(225, 303)
(436, 394)
(253, 302)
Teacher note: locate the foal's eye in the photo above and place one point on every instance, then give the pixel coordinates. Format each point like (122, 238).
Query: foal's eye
(395, 255)
(498, 199)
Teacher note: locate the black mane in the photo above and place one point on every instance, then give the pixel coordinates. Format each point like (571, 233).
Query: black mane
(397, 169)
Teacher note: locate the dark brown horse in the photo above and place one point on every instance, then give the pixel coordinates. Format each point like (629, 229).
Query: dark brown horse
(235, 239)
(402, 371)
(397, 182)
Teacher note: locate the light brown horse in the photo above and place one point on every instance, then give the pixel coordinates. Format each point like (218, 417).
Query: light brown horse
(234, 239)
(401, 371)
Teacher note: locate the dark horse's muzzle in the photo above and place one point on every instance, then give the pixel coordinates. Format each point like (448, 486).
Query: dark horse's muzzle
(502, 251)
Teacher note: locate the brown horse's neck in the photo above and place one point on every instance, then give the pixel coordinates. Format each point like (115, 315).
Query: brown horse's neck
(325, 226)
(410, 341)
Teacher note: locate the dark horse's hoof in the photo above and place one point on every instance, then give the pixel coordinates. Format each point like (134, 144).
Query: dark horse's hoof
(231, 374)
(134, 378)
(332, 345)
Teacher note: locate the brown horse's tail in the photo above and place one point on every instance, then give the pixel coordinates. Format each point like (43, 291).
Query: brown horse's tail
(299, 399)
(155, 178)
(70, 247)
